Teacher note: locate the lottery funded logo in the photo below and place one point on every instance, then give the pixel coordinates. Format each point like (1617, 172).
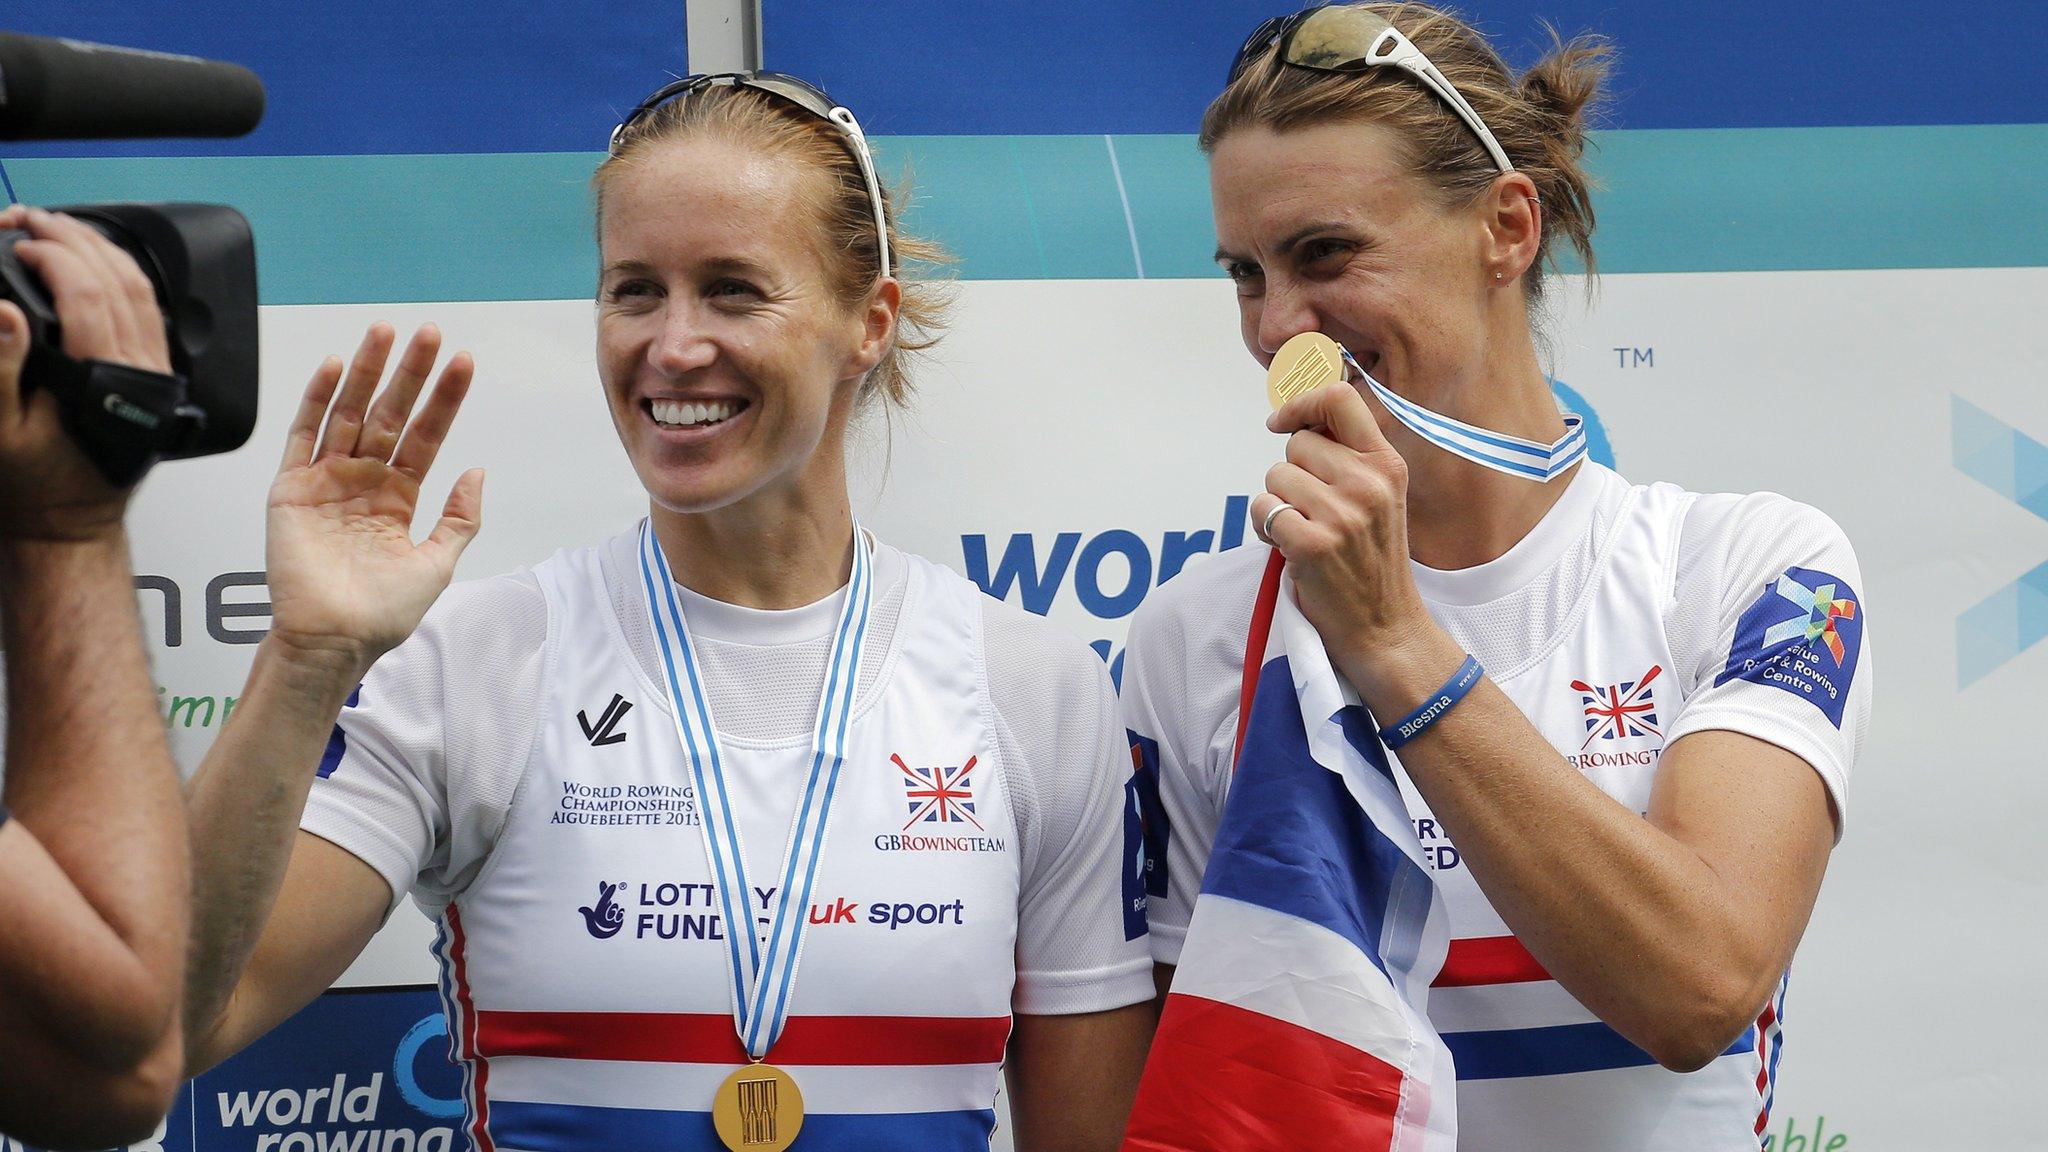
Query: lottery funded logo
(1437, 850)
(626, 805)
(605, 918)
(682, 910)
(1803, 635)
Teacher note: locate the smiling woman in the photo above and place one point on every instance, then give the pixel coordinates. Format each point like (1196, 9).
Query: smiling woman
(624, 974)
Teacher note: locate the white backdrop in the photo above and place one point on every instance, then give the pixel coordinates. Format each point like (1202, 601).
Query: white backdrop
(1102, 406)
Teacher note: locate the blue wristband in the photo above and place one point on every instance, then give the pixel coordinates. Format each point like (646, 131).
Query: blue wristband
(1440, 701)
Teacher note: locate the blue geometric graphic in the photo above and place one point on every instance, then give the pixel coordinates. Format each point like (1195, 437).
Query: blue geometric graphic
(1812, 653)
(2014, 465)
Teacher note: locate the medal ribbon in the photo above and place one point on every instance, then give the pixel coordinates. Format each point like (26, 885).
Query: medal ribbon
(1513, 455)
(763, 969)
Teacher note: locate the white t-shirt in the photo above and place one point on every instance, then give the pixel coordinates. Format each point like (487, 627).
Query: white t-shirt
(515, 766)
(1628, 618)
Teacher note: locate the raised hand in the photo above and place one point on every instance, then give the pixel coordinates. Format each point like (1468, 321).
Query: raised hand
(347, 583)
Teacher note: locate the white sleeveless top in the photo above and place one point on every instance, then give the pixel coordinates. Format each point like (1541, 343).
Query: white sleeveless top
(583, 961)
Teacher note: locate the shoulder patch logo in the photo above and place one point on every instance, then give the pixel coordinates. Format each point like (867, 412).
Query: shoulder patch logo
(1803, 635)
(1155, 829)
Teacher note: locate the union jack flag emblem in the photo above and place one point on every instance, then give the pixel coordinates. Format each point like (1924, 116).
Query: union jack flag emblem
(1619, 711)
(939, 795)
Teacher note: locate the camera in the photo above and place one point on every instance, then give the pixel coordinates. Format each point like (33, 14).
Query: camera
(200, 258)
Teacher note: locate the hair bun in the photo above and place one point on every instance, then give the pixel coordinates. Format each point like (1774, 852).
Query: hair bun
(1567, 84)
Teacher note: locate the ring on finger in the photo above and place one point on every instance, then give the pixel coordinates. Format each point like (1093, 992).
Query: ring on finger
(1266, 525)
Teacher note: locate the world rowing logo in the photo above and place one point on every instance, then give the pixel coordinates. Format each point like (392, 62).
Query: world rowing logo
(941, 795)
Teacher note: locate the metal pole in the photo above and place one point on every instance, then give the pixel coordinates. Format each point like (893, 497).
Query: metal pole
(725, 35)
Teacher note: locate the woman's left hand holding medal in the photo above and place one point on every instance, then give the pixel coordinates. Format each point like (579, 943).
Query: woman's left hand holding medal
(347, 582)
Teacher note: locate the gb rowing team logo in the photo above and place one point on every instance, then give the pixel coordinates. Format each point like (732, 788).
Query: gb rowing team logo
(943, 795)
(941, 813)
(1620, 711)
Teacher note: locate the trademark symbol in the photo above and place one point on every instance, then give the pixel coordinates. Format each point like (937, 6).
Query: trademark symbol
(1635, 357)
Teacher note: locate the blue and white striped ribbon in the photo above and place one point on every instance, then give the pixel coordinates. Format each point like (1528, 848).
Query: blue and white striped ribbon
(1496, 450)
(763, 968)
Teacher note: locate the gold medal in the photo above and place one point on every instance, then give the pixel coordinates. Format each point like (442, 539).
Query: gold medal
(758, 1109)
(1305, 363)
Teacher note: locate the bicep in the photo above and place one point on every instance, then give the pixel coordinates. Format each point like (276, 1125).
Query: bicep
(329, 907)
(1761, 819)
(1072, 1078)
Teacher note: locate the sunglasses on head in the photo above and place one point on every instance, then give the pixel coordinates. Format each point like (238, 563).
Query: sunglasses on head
(794, 90)
(1342, 38)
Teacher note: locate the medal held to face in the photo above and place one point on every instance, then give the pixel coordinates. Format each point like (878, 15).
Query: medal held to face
(1310, 360)
(758, 1109)
(1305, 363)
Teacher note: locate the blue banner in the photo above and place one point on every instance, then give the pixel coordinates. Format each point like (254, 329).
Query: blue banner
(1133, 66)
(388, 77)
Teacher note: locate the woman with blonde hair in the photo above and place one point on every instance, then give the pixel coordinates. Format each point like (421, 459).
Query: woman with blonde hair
(743, 828)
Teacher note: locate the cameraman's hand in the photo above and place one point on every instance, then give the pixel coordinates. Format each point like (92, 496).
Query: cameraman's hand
(347, 583)
(48, 489)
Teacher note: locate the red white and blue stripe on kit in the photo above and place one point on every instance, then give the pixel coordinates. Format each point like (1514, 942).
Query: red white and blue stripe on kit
(646, 1079)
(1297, 1017)
(1481, 973)
(1770, 1044)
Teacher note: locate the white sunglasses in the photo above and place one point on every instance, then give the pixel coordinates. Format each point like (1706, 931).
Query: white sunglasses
(799, 92)
(1343, 38)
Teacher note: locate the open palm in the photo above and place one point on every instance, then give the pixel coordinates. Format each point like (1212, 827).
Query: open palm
(345, 576)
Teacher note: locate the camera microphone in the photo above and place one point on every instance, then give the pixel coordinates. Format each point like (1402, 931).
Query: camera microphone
(52, 89)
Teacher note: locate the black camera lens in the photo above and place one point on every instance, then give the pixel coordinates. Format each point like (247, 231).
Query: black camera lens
(201, 259)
